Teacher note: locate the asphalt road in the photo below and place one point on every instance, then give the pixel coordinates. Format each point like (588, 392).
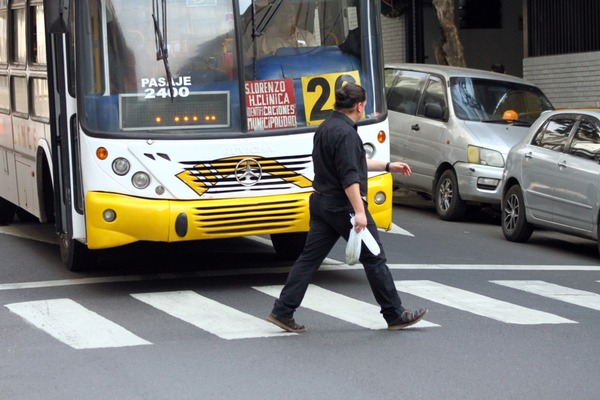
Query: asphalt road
(506, 321)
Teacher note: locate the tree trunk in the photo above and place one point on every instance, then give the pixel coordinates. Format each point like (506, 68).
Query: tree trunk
(450, 51)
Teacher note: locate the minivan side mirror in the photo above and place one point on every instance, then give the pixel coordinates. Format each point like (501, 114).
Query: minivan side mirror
(434, 110)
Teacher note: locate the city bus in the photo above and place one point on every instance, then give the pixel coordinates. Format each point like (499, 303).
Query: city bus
(125, 121)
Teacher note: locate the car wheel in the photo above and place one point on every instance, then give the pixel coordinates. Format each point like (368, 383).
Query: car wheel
(514, 221)
(448, 204)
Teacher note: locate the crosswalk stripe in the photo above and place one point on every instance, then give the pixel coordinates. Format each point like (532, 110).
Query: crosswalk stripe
(339, 306)
(556, 292)
(479, 304)
(209, 315)
(75, 325)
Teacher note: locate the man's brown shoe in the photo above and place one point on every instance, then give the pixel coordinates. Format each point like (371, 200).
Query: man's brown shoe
(287, 324)
(407, 318)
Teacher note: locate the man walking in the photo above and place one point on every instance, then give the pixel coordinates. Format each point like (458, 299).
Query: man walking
(340, 186)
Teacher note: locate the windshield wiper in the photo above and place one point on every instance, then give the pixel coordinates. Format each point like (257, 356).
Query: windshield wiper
(503, 121)
(494, 121)
(162, 49)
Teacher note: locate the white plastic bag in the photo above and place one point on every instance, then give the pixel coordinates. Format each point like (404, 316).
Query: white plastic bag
(353, 245)
(355, 240)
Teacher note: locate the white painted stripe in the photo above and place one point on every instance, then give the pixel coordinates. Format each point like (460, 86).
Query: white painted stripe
(396, 230)
(75, 325)
(71, 282)
(495, 267)
(339, 306)
(32, 230)
(209, 315)
(479, 304)
(556, 292)
(328, 265)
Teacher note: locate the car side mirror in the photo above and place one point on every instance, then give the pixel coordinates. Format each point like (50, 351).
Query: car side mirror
(434, 110)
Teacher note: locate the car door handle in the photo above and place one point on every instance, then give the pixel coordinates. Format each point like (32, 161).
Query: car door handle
(528, 155)
(415, 127)
(562, 164)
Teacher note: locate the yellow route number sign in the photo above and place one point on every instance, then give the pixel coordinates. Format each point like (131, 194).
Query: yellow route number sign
(319, 93)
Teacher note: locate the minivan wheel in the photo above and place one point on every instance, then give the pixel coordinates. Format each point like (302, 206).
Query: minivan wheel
(448, 204)
(514, 221)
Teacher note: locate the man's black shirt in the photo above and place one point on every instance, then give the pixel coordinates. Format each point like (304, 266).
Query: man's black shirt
(339, 157)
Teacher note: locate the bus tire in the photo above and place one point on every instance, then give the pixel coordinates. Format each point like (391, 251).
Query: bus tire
(26, 216)
(288, 246)
(7, 211)
(75, 255)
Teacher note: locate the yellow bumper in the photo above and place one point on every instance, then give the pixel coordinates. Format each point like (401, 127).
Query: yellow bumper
(139, 219)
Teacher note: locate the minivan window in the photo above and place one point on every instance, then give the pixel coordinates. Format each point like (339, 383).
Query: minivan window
(433, 96)
(486, 100)
(554, 134)
(404, 89)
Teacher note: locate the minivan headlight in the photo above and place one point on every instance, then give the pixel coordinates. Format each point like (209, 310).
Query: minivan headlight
(483, 156)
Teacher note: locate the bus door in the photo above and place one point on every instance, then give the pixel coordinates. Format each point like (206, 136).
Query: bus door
(68, 191)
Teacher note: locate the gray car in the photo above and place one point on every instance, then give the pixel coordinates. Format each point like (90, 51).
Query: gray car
(454, 127)
(552, 177)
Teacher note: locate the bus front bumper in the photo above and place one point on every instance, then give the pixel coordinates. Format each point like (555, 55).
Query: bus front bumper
(115, 220)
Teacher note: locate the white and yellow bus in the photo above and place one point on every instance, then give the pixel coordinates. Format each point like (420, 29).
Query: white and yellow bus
(178, 120)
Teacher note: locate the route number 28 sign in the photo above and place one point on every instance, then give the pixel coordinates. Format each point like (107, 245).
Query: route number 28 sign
(319, 93)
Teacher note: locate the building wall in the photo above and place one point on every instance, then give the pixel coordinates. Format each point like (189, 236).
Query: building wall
(569, 80)
(394, 39)
(483, 47)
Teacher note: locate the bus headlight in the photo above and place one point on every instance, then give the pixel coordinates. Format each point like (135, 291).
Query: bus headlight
(140, 180)
(379, 198)
(120, 166)
(370, 150)
(109, 215)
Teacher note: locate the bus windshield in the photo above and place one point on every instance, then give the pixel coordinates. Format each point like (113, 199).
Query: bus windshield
(205, 66)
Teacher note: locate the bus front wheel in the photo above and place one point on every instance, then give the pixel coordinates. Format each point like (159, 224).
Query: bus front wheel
(7, 211)
(75, 255)
(288, 246)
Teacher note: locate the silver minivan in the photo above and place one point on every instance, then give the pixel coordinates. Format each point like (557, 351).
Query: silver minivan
(454, 127)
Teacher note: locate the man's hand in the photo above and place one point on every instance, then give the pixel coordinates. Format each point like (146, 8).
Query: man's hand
(360, 221)
(400, 168)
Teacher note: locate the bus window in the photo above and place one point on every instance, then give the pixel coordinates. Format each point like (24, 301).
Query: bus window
(149, 68)
(126, 85)
(313, 46)
(40, 101)
(38, 41)
(4, 95)
(3, 39)
(18, 49)
(20, 103)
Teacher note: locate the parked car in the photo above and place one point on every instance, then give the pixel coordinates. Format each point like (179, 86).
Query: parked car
(454, 127)
(552, 177)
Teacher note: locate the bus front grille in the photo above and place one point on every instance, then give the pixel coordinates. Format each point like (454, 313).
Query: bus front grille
(258, 217)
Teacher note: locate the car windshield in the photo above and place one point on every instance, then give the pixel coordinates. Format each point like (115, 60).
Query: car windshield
(486, 100)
